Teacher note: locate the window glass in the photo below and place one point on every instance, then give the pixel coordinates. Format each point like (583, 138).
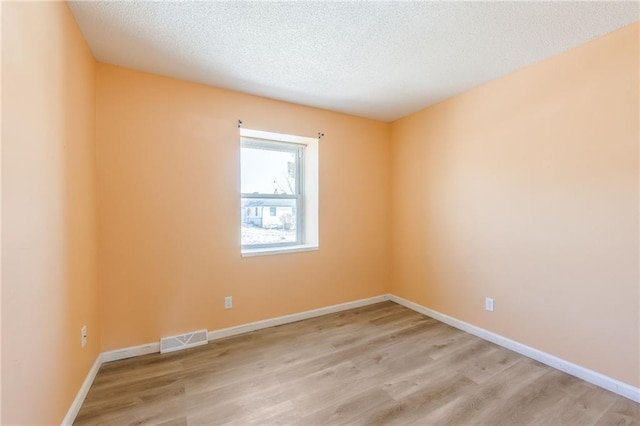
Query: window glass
(271, 201)
(266, 228)
(267, 171)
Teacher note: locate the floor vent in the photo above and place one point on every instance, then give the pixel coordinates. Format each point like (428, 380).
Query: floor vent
(183, 341)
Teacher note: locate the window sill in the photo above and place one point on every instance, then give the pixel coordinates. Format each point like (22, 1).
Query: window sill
(278, 250)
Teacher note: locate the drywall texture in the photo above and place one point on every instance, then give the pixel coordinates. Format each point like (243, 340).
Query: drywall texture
(525, 189)
(49, 278)
(169, 233)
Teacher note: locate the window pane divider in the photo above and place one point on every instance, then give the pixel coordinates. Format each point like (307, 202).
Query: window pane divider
(272, 196)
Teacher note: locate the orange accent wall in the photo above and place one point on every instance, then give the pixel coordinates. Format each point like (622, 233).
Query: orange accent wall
(525, 189)
(49, 277)
(169, 209)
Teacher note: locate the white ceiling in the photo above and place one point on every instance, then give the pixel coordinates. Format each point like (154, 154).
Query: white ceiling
(381, 60)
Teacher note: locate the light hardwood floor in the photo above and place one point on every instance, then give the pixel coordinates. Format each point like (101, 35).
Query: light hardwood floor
(380, 364)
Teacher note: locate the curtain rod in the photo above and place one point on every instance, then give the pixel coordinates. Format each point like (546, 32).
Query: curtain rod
(320, 134)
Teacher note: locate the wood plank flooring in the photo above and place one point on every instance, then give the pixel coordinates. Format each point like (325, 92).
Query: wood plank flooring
(380, 364)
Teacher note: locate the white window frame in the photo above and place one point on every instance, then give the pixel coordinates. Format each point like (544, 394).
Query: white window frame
(297, 151)
(307, 190)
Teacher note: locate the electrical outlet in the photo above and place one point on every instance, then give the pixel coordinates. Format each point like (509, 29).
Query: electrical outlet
(488, 304)
(228, 302)
(83, 336)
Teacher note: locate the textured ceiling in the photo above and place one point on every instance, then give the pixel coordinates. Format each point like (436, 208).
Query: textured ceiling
(380, 60)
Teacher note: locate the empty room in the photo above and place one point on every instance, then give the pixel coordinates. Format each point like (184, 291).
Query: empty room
(320, 213)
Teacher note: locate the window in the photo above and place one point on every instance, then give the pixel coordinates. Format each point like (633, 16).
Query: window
(278, 185)
(271, 184)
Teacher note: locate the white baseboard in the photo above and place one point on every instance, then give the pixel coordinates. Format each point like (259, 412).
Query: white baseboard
(286, 319)
(130, 352)
(150, 348)
(82, 393)
(598, 379)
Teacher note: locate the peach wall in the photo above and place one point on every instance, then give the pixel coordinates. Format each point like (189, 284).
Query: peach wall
(525, 189)
(0, 215)
(49, 278)
(168, 189)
